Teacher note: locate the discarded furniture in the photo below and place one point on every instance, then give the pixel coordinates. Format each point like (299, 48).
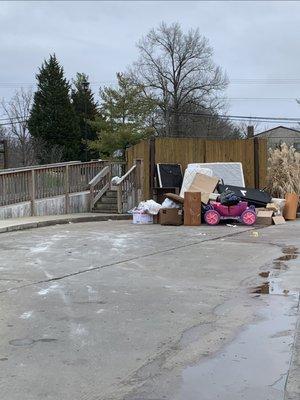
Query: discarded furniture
(192, 208)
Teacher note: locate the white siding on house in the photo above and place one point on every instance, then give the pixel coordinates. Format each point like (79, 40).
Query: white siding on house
(281, 135)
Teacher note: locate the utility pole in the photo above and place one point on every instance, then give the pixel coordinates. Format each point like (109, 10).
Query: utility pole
(250, 131)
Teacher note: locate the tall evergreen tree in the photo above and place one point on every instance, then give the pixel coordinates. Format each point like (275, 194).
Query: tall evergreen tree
(85, 108)
(53, 122)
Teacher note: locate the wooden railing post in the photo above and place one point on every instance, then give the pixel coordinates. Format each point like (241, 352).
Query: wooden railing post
(67, 195)
(91, 197)
(119, 199)
(110, 174)
(140, 180)
(32, 194)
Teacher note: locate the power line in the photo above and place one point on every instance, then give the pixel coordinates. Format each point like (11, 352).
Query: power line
(236, 118)
(243, 117)
(14, 122)
(12, 118)
(235, 81)
(262, 98)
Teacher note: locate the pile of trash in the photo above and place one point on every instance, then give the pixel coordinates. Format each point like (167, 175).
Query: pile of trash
(210, 193)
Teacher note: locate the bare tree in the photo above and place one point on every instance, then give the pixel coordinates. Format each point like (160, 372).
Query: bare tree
(243, 127)
(17, 112)
(49, 154)
(177, 70)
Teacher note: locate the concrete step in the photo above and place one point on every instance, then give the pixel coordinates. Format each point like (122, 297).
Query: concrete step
(95, 210)
(108, 200)
(106, 207)
(111, 193)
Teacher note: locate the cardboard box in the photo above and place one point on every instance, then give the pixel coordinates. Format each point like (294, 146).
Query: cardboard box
(205, 185)
(142, 218)
(170, 216)
(278, 220)
(264, 217)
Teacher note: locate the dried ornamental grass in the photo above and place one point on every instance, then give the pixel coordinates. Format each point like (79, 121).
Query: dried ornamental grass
(283, 171)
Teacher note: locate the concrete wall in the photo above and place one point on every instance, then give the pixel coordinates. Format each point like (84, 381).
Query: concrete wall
(79, 202)
(280, 135)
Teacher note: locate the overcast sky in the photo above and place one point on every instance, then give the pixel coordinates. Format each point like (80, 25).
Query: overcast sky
(252, 41)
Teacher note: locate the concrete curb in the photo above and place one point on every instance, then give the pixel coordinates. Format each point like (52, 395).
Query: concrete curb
(66, 220)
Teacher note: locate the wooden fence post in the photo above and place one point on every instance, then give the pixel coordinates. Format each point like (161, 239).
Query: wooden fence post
(91, 198)
(67, 196)
(139, 180)
(119, 199)
(32, 194)
(256, 162)
(110, 174)
(151, 166)
(5, 154)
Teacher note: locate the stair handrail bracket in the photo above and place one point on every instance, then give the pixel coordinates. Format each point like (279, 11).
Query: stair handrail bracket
(99, 185)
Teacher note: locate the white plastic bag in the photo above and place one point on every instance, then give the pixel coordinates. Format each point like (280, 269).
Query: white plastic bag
(149, 207)
(168, 203)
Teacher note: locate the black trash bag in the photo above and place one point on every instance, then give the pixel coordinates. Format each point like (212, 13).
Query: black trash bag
(229, 198)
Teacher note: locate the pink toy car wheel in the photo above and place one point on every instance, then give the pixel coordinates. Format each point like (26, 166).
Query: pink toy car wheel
(212, 217)
(248, 217)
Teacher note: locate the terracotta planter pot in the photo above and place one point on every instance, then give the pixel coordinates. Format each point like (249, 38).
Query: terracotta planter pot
(291, 205)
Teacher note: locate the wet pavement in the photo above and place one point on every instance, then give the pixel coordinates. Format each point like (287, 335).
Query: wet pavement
(112, 311)
(256, 363)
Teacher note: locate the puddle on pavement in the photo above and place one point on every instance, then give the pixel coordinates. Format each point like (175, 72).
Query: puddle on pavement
(264, 274)
(279, 265)
(290, 250)
(247, 368)
(256, 363)
(287, 257)
(289, 253)
(193, 334)
(273, 286)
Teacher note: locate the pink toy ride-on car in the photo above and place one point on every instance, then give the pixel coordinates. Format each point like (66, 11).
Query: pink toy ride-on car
(216, 211)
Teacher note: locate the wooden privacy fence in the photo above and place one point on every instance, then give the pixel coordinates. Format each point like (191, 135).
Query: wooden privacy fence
(38, 182)
(252, 153)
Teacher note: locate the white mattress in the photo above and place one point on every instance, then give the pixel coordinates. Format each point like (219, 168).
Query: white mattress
(230, 172)
(189, 175)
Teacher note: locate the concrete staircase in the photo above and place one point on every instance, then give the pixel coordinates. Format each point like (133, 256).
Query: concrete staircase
(107, 203)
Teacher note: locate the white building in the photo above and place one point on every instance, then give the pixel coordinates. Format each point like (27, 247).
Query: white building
(281, 134)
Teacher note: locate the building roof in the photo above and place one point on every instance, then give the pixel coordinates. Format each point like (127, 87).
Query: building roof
(276, 127)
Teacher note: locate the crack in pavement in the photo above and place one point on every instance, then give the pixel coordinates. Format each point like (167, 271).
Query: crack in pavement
(293, 349)
(83, 271)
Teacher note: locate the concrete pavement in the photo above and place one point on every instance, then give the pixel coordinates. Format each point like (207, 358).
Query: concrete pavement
(17, 224)
(114, 311)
